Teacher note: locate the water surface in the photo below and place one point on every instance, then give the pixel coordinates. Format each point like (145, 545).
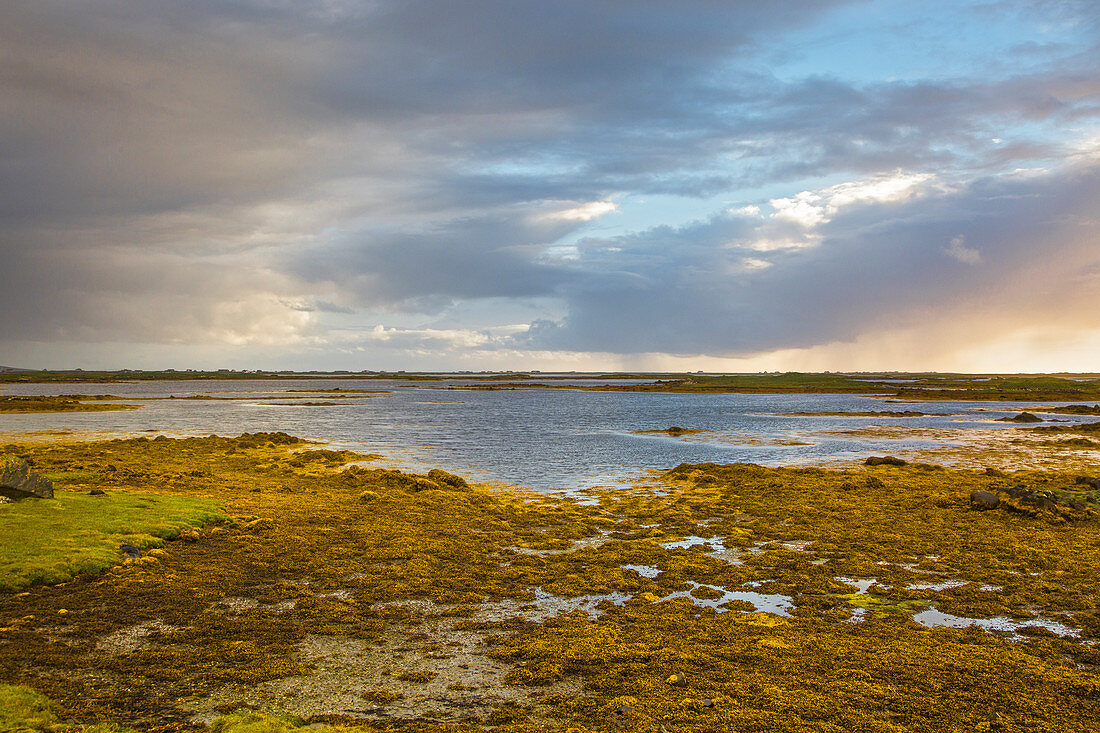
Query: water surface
(546, 439)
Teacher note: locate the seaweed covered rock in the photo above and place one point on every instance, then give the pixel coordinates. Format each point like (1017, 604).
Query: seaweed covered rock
(1054, 503)
(884, 461)
(1022, 417)
(386, 478)
(447, 479)
(19, 481)
(253, 440)
(983, 500)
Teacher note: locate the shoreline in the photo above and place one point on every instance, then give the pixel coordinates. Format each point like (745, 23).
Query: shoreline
(898, 386)
(417, 577)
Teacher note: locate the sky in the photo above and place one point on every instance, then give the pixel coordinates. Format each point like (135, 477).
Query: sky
(716, 185)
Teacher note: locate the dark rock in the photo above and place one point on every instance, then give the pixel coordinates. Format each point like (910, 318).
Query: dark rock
(129, 551)
(1088, 481)
(884, 461)
(19, 481)
(97, 492)
(1022, 417)
(707, 703)
(678, 679)
(626, 710)
(983, 500)
(1040, 499)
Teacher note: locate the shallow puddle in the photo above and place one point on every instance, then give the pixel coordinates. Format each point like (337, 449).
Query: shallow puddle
(646, 571)
(862, 585)
(932, 617)
(774, 603)
(944, 585)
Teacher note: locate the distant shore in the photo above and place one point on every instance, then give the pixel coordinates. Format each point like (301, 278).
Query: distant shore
(899, 386)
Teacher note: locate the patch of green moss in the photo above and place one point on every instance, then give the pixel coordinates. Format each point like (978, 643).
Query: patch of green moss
(51, 540)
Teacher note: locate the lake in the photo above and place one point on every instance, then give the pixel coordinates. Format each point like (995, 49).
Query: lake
(545, 439)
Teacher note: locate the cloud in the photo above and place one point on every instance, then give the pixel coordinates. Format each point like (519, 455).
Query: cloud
(258, 174)
(959, 251)
(878, 265)
(583, 212)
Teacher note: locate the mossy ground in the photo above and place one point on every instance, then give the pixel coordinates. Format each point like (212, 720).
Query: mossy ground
(51, 540)
(360, 596)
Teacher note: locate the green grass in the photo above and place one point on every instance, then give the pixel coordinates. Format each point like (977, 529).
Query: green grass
(790, 381)
(51, 540)
(22, 710)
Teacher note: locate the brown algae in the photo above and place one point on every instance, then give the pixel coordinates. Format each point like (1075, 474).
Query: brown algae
(351, 595)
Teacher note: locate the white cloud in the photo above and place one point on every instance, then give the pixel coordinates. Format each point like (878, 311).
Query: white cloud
(810, 209)
(749, 264)
(751, 210)
(959, 251)
(582, 212)
(438, 339)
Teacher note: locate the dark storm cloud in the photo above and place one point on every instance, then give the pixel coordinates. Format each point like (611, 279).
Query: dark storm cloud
(186, 171)
(470, 259)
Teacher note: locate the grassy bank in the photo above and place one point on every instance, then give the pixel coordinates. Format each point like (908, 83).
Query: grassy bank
(919, 387)
(712, 598)
(51, 540)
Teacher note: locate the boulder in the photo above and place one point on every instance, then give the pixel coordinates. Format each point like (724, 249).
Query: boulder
(982, 500)
(19, 481)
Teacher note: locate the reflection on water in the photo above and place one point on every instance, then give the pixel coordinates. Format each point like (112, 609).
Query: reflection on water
(934, 617)
(545, 439)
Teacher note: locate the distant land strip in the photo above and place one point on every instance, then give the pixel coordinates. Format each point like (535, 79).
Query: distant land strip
(897, 386)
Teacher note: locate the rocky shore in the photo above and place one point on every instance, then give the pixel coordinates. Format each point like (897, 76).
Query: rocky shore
(712, 597)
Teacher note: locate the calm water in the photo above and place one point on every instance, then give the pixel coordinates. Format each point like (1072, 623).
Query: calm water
(544, 439)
